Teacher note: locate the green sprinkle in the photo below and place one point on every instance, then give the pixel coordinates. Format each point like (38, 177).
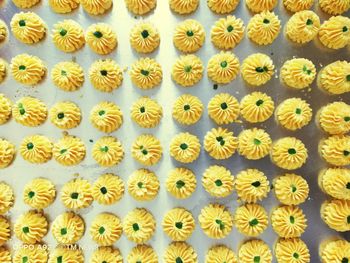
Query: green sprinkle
(103, 72)
(63, 151)
(63, 32)
(101, 230)
(30, 146)
(261, 69)
(221, 140)
(103, 190)
(136, 227)
(224, 106)
(296, 255)
(104, 149)
(104, 261)
(256, 184)
(292, 151)
(144, 33)
(180, 184)
(220, 223)
(178, 260)
(230, 28)
(142, 109)
(24, 259)
(59, 259)
(253, 222)
(188, 69)
(31, 194)
(22, 67)
(60, 115)
(22, 111)
(256, 141)
(309, 22)
(223, 64)
(215, 86)
(346, 153)
(259, 103)
(63, 231)
(187, 107)
(345, 260)
(63, 73)
(101, 112)
(74, 195)
(345, 29)
(136, 261)
(348, 219)
(22, 23)
(178, 225)
(98, 34)
(256, 259)
(306, 70)
(292, 219)
(298, 111)
(347, 118)
(348, 78)
(139, 184)
(25, 230)
(144, 72)
(190, 33)
(218, 183)
(266, 21)
(144, 152)
(183, 146)
(294, 189)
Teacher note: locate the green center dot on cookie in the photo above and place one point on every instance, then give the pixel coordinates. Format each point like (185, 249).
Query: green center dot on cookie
(103, 190)
(190, 33)
(142, 109)
(187, 107)
(345, 29)
(98, 34)
(25, 230)
(218, 182)
(259, 102)
(295, 255)
(25, 259)
(294, 189)
(178, 225)
(223, 106)
(144, 152)
(292, 219)
(63, 151)
(220, 223)
(221, 140)
(256, 259)
(136, 261)
(60, 259)
(253, 222)
(31, 194)
(22, 111)
(63, 32)
(63, 73)
(104, 149)
(183, 146)
(103, 72)
(104, 261)
(262, 69)
(298, 111)
(223, 64)
(22, 67)
(266, 21)
(101, 112)
(256, 141)
(292, 151)
(136, 227)
(74, 195)
(348, 219)
(101, 230)
(309, 22)
(306, 70)
(180, 184)
(30, 146)
(60, 115)
(346, 153)
(178, 260)
(230, 28)
(348, 78)
(144, 72)
(256, 184)
(22, 22)
(144, 34)
(140, 185)
(347, 118)
(345, 260)
(63, 231)
(188, 69)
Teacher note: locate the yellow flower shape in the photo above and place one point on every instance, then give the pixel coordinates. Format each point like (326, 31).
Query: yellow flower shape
(69, 151)
(183, 7)
(3, 65)
(34, 253)
(257, 69)
(189, 36)
(7, 153)
(5, 233)
(216, 221)
(67, 75)
(5, 255)
(63, 6)
(303, 27)
(27, 69)
(31, 227)
(25, 3)
(335, 77)
(36, 149)
(147, 150)
(336, 214)
(66, 254)
(254, 143)
(288, 221)
(178, 224)
(298, 5)
(68, 35)
(28, 27)
(144, 38)
(223, 67)
(298, 73)
(291, 189)
(337, 250)
(39, 193)
(5, 109)
(140, 7)
(106, 117)
(180, 252)
(220, 143)
(257, 107)
(255, 250)
(106, 254)
(105, 75)
(101, 38)
(3, 32)
(223, 108)
(289, 153)
(222, 6)
(107, 151)
(29, 111)
(7, 198)
(292, 250)
(335, 182)
(146, 112)
(146, 73)
(334, 7)
(227, 32)
(220, 253)
(108, 189)
(293, 114)
(334, 118)
(185, 147)
(181, 183)
(144, 253)
(187, 109)
(65, 115)
(187, 70)
(139, 225)
(106, 229)
(258, 6)
(96, 7)
(68, 228)
(143, 185)
(335, 32)
(264, 28)
(218, 181)
(77, 194)
(252, 185)
(335, 150)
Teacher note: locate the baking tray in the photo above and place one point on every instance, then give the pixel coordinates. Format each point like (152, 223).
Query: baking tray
(18, 174)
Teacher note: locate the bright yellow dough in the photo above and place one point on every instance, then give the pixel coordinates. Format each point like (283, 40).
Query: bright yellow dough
(36, 149)
(189, 36)
(5, 109)
(187, 109)
(178, 224)
(146, 112)
(288, 221)
(187, 70)
(143, 185)
(147, 150)
(7, 198)
(185, 147)
(223, 68)
(257, 107)
(220, 253)
(25, 3)
(180, 251)
(106, 254)
(254, 143)
(65, 115)
(183, 7)
(216, 221)
(39, 193)
(69, 150)
(227, 32)
(5, 233)
(252, 185)
(29, 111)
(5, 255)
(106, 229)
(181, 183)
(220, 143)
(4, 32)
(257, 69)
(258, 6)
(293, 114)
(292, 250)
(106, 117)
(35, 253)
(139, 225)
(68, 228)
(298, 5)
(264, 28)
(291, 189)
(335, 32)
(31, 227)
(303, 27)
(28, 27)
(67, 75)
(337, 250)
(335, 150)
(146, 73)
(255, 250)
(7, 153)
(140, 7)
(105, 75)
(77, 194)
(108, 189)
(289, 153)
(108, 151)
(68, 36)
(335, 77)
(298, 73)
(96, 7)
(101, 38)
(222, 6)
(3, 68)
(27, 69)
(223, 108)
(334, 118)
(63, 6)
(218, 181)
(335, 182)
(144, 37)
(144, 253)
(336, 214)
(334, 7)
(66, 254)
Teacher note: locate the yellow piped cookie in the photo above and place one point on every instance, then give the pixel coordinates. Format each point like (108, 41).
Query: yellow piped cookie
(220, 143)
(77, 194)
(254, 143)
(5, 255)
(335, 32)
(222, 6)
(146, 73)
(336, 214)
(28, 27)
(218, 181)
(106, 117)
(68, 228)
(5, 109)
(335, 150)
(223, 108)
(257, 69)
(258, 6)
(185, 147)
(140, 7)
(63, 6)
(334, 7)
(7, 198)
(292, 250)
(180, 251)
(298, 5)
(187, 70)
(35, 253)
(69, 150)
(25, 3)
(147, 150)
(68, 36)
(4, 32)
(106, 254)
(187, 109)
(5, 230)
(337, 250)
(39, 193)
(255, 250)
(178, 224)
(65, 115)
(257, 107)
(143, 185)
(105, 75)
(334, 118)
(189, 36)
(66, 254)
(3, 68)
(108, 151)
(36, 149)
(67, 75)
(146, 112)
(108, 189)
(220, 253)
(29, 111)
(7, 153)
(96, 7)
(335, 182)
(181, 183)
(144, 38)
(106, 229)
(184, 7)
(291, 189)
(223, 68)
(298, 73)
(145, 253)
(101, 38)
(335, 77)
